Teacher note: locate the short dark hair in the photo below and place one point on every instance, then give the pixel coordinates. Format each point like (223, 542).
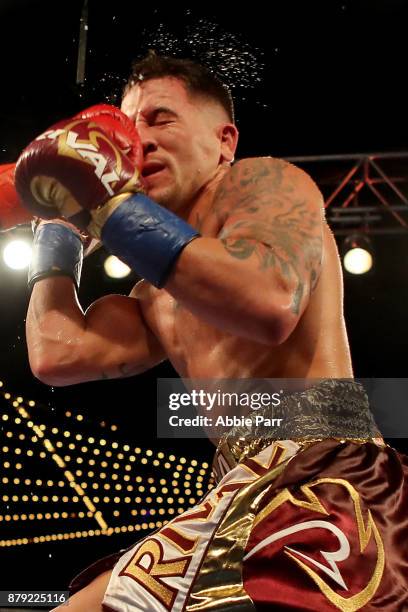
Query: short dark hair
(198, 79)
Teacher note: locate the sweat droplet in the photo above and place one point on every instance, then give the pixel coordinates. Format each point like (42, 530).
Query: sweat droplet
(224, 53)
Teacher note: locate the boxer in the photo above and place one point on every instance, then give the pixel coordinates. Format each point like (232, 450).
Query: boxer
(241, 279)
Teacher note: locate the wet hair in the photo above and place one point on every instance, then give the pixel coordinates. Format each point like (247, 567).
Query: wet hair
(198, 79)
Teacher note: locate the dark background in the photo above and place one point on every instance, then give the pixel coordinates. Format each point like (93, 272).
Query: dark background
(309, 78)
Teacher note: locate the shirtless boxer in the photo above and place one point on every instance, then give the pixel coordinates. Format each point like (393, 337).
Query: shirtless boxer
(252, 289)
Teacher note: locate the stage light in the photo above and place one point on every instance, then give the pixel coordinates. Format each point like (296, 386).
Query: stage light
(17, 254)
(357, 258)
(114, 268)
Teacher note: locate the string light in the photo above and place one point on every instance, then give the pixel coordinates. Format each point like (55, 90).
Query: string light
(180, 472)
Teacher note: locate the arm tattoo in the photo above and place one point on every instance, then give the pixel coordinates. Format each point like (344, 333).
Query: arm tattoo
(127, 370)
(124, 371)
(267, 215)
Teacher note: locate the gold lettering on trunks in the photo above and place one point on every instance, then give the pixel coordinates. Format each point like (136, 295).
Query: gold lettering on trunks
(231, 487)
(259, 465)
(180, 540)
(199, 513)
(148, 568)
(366, 528)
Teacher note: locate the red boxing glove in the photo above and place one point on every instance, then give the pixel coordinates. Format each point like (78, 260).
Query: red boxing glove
(80, 164)
(12, 212)
(119, 128)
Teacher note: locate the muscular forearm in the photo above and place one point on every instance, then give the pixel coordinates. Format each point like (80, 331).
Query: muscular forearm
(55, 324)
(67, 346)
(233, 294)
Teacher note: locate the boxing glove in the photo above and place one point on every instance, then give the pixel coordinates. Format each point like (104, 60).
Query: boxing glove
(12, 212)
(88, 170)
(79, 164)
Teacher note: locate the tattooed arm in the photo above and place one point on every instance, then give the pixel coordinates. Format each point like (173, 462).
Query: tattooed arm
(67, 346)
(256, 278)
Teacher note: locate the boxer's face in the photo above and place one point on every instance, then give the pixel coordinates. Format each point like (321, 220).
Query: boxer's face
(182, 136)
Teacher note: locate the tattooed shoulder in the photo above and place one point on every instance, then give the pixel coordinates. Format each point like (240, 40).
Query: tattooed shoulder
(273, 211)
(256, 176)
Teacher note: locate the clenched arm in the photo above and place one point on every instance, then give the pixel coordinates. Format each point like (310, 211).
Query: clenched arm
(256, 277)
(67, 346)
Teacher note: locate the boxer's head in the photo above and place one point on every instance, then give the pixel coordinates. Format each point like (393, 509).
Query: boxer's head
(185, 118)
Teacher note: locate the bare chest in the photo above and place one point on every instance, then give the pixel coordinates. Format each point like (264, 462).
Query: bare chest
(195, 348)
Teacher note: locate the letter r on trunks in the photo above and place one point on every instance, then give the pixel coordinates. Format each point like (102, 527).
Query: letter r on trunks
(148, 568)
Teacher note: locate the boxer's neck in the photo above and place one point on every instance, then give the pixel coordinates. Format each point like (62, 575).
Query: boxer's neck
(202, 203)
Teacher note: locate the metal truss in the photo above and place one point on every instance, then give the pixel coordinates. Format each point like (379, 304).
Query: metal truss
(365, 193)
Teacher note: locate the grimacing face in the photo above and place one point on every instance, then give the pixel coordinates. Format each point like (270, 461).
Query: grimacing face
(183, 139)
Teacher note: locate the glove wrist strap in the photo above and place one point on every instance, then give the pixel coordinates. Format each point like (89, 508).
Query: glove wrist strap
(146, 236)
(57, 251)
